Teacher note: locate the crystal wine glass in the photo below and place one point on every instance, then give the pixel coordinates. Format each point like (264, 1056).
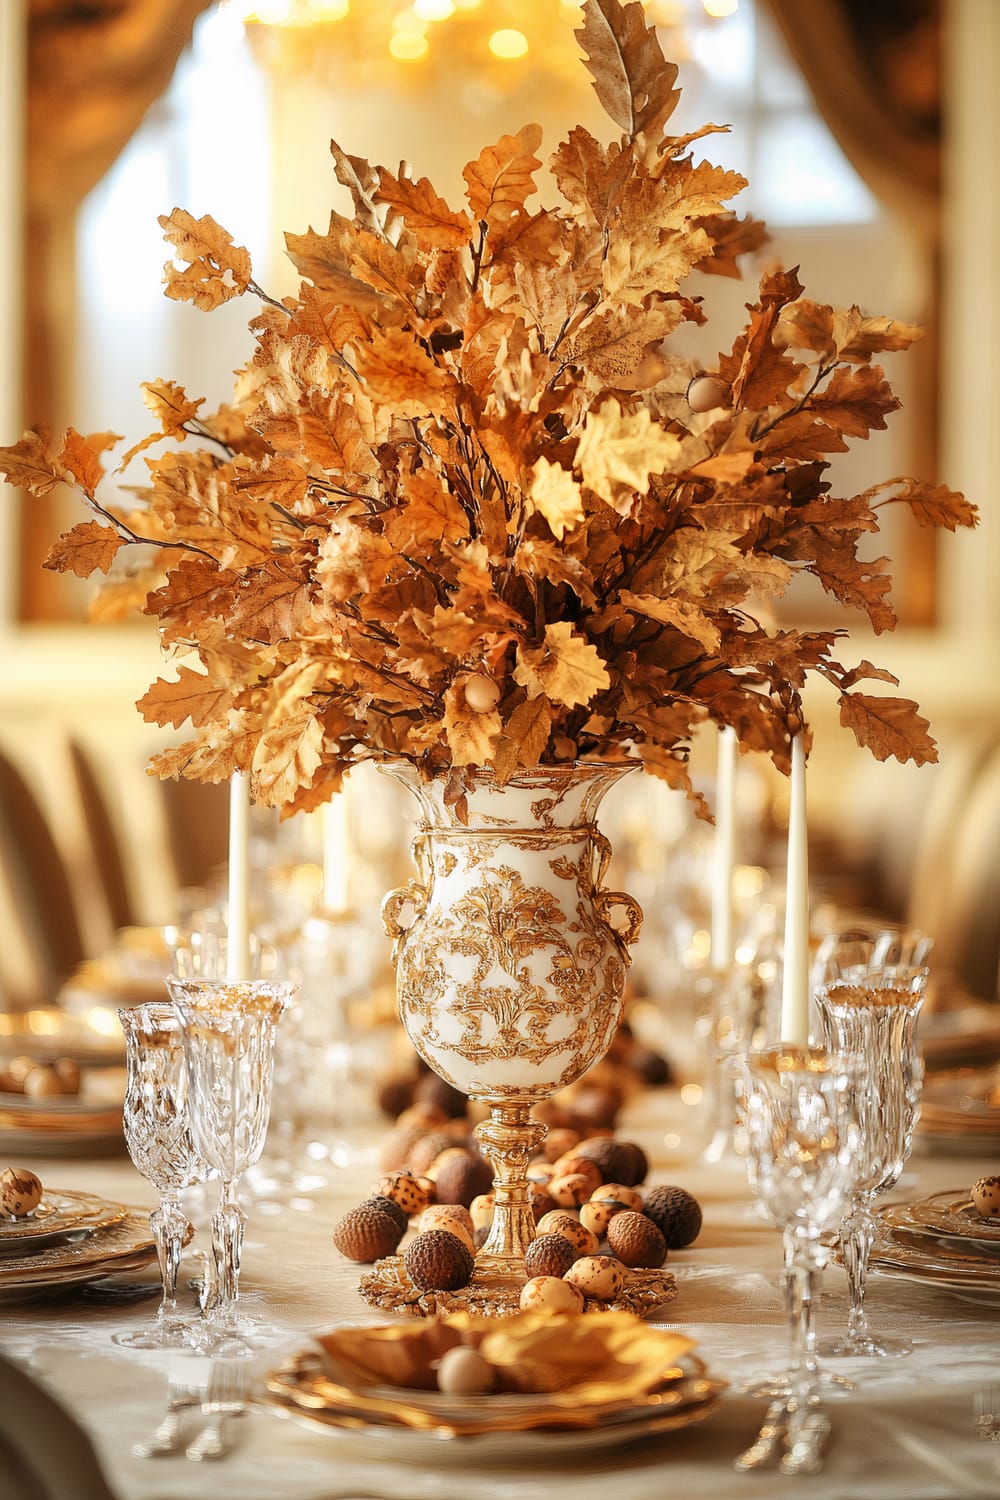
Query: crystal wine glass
(159, 1140)
(228, 1029)
(801, 1135)
(873, 1012)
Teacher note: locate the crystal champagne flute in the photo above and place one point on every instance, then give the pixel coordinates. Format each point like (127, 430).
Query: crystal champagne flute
(801, 1133)
(158, 1136)
(228, 1029)
(873, 1012)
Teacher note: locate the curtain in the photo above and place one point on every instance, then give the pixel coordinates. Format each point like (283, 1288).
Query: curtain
(94, 69)
(875, 71)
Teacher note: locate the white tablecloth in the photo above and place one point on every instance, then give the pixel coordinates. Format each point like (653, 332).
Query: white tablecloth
(907, 1429)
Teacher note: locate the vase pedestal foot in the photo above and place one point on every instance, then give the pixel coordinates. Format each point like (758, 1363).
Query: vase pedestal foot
(492, 1294)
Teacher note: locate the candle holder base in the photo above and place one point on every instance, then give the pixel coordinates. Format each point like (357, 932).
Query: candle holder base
(493, 1294)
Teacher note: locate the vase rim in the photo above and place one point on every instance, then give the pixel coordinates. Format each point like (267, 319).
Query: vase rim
(525, 775)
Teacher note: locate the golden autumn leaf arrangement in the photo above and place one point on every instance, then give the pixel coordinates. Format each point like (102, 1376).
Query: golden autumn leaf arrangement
(465, 506)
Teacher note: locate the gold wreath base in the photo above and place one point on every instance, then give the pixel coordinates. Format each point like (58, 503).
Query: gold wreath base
(492, 1295)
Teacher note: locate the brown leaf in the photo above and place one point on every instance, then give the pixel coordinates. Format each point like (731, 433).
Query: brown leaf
(87, 547)
(632, 79)
(80, 457)
(398, 372)
(731, 237)
(277, 481)
(565, 667)
(31, 463)
(193, 696)
(287, 756)
(423, 211)
(525, 737)
(619, 450)
(555, 495)
(472, 737)
(501, 179)
(680, 613)
(937, 505)
(854, 401)
(428, 515)
(888, 726)
(217, 270)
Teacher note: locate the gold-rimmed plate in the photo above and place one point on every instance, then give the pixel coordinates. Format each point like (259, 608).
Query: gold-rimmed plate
(973, 1281)
(122, 1246)
(296, 1390)
(59, 1216)
(948, 1217)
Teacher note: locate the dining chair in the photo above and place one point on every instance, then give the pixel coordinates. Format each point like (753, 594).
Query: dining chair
(44, 1453)
(38, 885)
(104, 839)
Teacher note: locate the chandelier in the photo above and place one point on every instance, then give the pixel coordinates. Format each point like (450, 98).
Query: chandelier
(494, 41)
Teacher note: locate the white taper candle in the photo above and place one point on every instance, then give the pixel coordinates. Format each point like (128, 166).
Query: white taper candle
(723, 850)
(238, 936)
(336, 855)
(795, 968)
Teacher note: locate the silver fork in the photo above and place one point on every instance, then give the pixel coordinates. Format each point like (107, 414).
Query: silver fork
(183, 1395)
(766, 1443)
(226, 1397)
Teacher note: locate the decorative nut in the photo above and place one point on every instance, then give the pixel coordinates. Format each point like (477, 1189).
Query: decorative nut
(599, 1276)
(636, 1240)
(447, 1216)
(676, 1214)
(20, 1192)
(438, 1261)
(481, 1210)
(406, 1190)
(550, 1294)
(550, 1255)
(986, 1197)
(596, 1216)
(573, 1165)
(462, 1371)
(619, 1193)
(366, 1233)
(560, 1222)
(559, 1142)
(572, 1189)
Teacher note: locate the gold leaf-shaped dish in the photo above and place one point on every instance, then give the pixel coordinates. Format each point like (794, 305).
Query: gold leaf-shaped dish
(566, 1367)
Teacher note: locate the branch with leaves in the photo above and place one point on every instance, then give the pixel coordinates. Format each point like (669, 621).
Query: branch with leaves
(460, 507)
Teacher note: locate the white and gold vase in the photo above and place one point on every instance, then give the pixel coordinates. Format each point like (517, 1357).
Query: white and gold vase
(510, 975)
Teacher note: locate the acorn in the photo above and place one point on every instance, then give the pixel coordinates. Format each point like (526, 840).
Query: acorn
(636, 1240)
(462, 1371)
(405, 1189)
(438, 1261)
(542, 1201)
(366, 1234)
(481, 1210)
(20, 1192)
(986, 1197)
(425, 1152)
(550, 1255)
(617, 1161)
(705, 393)
(676, 1213)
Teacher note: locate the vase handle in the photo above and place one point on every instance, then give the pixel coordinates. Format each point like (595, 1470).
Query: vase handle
(624, 937)
(411, 894)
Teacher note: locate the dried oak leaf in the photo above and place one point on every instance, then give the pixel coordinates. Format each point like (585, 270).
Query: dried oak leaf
(565, 667)
(274, 480)
(399, 373)
(554, 495)
(525, 737)
(193, 695)
(854, 401)
(287, 756)
(680, 613)
(88, 547)
(501, 179)
(31, 463)
(936, 505)
(427, 515)
(217, 270)
(422, 210)
(631, 77)
(472, 737)
(888, 726)
(214, 756)
(618, 451)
